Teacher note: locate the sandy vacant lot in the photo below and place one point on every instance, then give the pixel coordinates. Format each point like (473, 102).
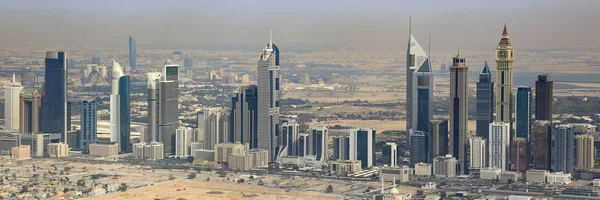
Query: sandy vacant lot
(195, 189)
(379, 125)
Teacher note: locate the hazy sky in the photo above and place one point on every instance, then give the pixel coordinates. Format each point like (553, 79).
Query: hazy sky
(307, 24)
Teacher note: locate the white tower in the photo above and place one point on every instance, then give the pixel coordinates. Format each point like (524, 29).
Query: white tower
(115, 121)
(11, 105)
(499, 145)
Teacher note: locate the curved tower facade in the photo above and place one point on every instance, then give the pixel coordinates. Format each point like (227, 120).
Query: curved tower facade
(115, 113)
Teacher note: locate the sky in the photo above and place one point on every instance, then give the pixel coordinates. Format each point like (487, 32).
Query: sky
(359, 25)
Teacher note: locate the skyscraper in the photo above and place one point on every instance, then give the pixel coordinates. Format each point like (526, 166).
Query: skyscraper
(564, 148)
(268, 99)
(289, 132)
(485, 102)
(341, 148)
(389, 154)
(438, 138)
(244, 116)
(89, 124)
(115, 113)
(12, 93)
(418, 148)
(458, 111)
(523, 112)
(499, 142)
(541, 144)
(504, 78)
(120, 109)
(318, 142)
(477, 156)
(168, 118)
(519, 154)
(419, 87)
(30, 111)
(543, 98)
(183, 137)
(585, 151)
(362, 146)
(214, 127)
(54, 104)
(132, 53)
(153, 111)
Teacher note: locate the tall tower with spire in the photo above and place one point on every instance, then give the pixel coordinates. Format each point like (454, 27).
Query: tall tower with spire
(419, 86)
(268, 99)
(504, 78)
(459, 73)
(485, 102)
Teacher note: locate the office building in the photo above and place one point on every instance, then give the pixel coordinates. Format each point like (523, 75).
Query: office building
(89, 124)
(30, 111)
(504, 78)
(38, 143)
(132, 54)
(389, 154)
(444, 166)
(341, 148)
(558, 178)
(268, 99)
(389, 173)
(183, 141)
(423, 169)
(149, 151)
(302, 149)
(239, 161)
(104, 149)
(344, 167)
(541, 144)
(519, 155)
(485, 102)
(459, 111)
(289, 132)
(490, 173)
(536, 175)
(223, 150)
(585, 151)
(419, 87)
(318, 142)
(418, 148)
(168, 112)
(120, 108)
(438, 138)
(21, 152)
(543, 98)
(523, 111)
(478, 153)
(215, 126)
(362, 146)
(54, 104)
(57, 150)
(154, 79)
(12, 93)
(499, 145)
(244, 116)
(204, 154)
(563, 154)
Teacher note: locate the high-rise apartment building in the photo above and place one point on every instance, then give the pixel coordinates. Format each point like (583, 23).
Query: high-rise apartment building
(54, 104)
(459, 112)
(30, 111)
(132, 53)
(89, 124)
(216, 127)
(438, 138)
(268, 99)
(519, 155)
(523, 111)
(485, 102)
(419, 87)
(444, 166)
(168, 117)
(341, 148)
(154, 79)
(12, 93)
(362, 146)
(183, 140)
(543, 98)
(563, 155)
(477, 156)
(504, 78)
(499, 141)
(418, 148)
(244, 116)
(585, 151)
(289, 132)
(541, 144)
(318, 142)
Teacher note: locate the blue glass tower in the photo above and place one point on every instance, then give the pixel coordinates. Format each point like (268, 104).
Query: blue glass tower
(89, 119)
(125, 115)
(485, 102)
(243, 123)
(54, 103)
(132, 53)
(523, 111)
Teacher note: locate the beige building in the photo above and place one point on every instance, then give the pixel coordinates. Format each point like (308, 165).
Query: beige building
(423, 169)
(490, 173)
(444, 166)
(104, 150)
(260, 158)
(344, 167)
(150, 151)
(57, 150)
(585, 151)
(507, 176)
(559, 178)
(239, 161)
(204, 154)
(536, 175)
(21, 152)
(394, 173)
(223, 150)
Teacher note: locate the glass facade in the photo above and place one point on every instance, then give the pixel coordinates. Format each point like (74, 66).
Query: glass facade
(125, 115)
(523, 112)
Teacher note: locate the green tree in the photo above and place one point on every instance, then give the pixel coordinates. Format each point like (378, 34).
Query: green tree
(329, 189)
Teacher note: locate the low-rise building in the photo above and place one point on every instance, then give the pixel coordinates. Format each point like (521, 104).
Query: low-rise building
(536, 175)
(104, 149)
(344, 167)
(260, 158)
(559, 178)
(400, 173)
(444, 166)
(204, 154)
(596, 182)
(309, 161)
(515, 197)
(57, 150)
(150, 151)
(509, 176)
(423, 169)
(21, 152)
(489, 173)
(223, 150)
(239, 161)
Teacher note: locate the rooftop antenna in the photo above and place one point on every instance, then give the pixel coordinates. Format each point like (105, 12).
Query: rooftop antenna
(458, 55)
(429, 48)
(270, 38)
(14, 79)
(409, 26)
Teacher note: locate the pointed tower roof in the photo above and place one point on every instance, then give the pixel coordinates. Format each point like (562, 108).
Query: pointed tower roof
(117, 70)
(504, 39)
(486, 69)
(505, 32)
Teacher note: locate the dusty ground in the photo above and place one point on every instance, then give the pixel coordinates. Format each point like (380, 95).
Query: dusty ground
(339, 96)
(195, 189)
(379, 125)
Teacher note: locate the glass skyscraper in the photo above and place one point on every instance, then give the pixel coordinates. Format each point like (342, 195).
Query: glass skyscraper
(459, 112)
(485, 102)
(89, 126)
(418, 148)
(244, 115)
(169, 107)
(523, 112)
(132, 53)
(268, 100)
(563, 155)
(543, 98)
(419, 87)
(54, 103)
(125, 115)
